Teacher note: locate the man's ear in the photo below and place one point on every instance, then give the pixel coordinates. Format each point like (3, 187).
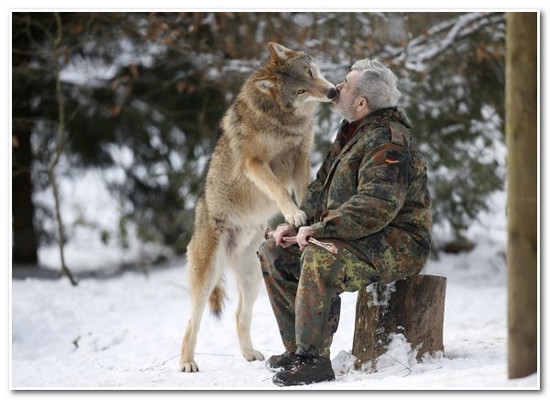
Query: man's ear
(265, 84)
(280, 53)
(363, 104)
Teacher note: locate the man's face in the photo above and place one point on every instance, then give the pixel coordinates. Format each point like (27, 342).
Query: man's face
(345, 104)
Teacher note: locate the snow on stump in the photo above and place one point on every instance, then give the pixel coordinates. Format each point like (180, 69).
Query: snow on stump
(413, 306)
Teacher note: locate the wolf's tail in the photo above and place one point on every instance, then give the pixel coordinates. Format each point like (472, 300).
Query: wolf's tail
(216, 299)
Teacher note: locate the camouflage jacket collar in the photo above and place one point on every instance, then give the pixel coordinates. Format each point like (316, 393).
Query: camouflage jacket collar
(379, 117)
(383, 115)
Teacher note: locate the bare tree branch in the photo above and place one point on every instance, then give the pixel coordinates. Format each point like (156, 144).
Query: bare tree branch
(59, 151)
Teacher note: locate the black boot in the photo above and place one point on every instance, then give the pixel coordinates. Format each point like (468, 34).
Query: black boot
(308, 369)
(282, 362)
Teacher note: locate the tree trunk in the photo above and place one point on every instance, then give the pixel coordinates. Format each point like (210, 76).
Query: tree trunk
(24, 237)
(25, 244)
(414, 307)
(521, 137)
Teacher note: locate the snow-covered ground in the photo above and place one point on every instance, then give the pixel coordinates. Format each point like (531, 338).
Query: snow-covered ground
(125, 332)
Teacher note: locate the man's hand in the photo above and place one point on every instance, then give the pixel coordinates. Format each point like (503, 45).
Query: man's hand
(282, 231)
(303, 235)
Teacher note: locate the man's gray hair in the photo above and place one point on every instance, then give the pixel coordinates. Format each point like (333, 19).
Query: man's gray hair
(377, 83)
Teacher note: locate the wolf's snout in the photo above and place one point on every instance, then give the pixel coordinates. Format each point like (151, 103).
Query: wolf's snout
(332, 93)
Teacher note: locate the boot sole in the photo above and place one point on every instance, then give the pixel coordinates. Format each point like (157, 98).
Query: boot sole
(281, 381)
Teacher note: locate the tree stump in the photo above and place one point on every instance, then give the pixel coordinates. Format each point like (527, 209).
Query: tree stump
(414, 306)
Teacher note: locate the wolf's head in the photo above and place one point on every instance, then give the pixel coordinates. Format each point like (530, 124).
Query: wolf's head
(293, 79)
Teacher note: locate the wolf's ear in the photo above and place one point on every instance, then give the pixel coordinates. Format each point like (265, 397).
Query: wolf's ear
(280, 53)
(265, 84)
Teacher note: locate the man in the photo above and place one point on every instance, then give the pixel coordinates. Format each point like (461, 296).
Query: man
(370, 199)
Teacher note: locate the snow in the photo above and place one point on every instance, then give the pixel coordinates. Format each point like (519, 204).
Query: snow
(124, 332)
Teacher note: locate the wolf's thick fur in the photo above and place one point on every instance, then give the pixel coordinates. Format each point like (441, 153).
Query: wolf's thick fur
(262, 153)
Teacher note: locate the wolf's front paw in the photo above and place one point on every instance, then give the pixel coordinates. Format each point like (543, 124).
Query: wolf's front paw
(293, 215)
(299, 219)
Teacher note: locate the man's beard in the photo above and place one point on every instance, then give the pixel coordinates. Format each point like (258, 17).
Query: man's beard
(344, 108)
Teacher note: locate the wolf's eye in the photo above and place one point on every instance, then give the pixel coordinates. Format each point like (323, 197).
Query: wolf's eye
(300, 91)
(310, 72)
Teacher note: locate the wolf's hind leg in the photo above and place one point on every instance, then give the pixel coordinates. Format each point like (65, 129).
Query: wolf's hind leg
(204, 274)
(249, 280)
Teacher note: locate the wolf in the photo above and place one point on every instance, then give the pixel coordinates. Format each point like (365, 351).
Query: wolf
(260, 166)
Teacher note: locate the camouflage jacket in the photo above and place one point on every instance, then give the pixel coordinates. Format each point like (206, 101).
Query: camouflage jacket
(376, 182)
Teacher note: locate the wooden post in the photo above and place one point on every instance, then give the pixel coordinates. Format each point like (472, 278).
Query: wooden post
(414, 307)
(522, 196)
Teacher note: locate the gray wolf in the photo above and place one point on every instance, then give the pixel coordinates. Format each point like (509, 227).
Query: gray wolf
(261, 158)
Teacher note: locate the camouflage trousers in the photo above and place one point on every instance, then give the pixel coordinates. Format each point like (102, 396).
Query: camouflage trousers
(304, 289)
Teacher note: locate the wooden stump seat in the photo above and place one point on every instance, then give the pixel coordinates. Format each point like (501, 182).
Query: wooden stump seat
(413, 306)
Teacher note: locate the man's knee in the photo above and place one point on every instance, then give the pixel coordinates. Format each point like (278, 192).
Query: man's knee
(265, 254)
(279, 261)
(268, 251)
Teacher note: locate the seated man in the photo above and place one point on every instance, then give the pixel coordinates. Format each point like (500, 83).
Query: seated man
(370, 199)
